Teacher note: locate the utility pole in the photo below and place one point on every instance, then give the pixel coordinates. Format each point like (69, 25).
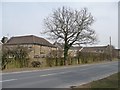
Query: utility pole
(110, 40)
(110, 47)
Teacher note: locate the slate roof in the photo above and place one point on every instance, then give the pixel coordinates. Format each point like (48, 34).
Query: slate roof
(85, 49)
(29, 39)
(89, 49)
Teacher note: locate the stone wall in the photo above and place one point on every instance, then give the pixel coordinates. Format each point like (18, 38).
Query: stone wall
(35, 51)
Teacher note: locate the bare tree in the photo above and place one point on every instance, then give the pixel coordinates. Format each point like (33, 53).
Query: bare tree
(70, 26)
(19, 53)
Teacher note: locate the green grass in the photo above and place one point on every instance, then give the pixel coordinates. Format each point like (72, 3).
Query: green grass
(108, 82)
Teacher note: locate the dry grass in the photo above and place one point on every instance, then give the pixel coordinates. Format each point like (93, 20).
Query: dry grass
(109, 82)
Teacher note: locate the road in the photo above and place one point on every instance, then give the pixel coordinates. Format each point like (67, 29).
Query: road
(60, 77)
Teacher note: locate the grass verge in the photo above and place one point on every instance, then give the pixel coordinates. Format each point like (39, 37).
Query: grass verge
(111, 82)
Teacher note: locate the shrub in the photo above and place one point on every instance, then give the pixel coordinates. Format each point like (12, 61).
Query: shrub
(35, 63)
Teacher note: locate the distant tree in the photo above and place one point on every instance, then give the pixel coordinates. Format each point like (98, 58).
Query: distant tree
(4, 39)
(70, 26)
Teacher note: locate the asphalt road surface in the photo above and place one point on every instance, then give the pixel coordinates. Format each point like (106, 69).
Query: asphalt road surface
(60, 77)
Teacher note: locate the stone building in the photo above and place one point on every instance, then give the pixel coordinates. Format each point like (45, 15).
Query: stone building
(96, 49)
(38, 47)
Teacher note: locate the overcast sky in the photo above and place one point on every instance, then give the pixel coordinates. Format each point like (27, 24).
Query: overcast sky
(26, 18)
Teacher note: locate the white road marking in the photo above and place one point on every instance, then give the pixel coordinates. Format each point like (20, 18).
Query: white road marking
(53, 74)
(61, 73)
(8, 80)
(50, 74)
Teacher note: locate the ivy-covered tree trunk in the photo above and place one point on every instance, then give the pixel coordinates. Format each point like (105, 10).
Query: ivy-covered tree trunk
(66, 48)
(65, 56)
(56, 61)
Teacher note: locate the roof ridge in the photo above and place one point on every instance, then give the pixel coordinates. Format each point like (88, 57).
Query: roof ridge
(23, 35)
(27, 36)
(96, 46)
(29, 39)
